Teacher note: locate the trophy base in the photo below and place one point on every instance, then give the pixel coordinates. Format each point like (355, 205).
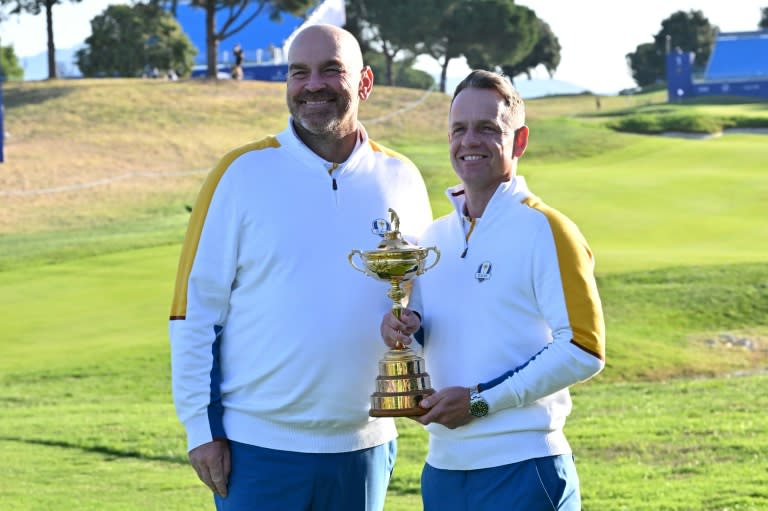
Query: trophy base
(387, 405)
(401, 385)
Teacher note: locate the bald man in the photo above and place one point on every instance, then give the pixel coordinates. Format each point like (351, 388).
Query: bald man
(274, 338)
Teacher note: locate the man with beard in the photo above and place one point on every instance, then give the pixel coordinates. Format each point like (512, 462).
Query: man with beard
(273, 336)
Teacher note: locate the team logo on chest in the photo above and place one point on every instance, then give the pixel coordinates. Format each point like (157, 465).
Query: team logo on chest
(380, 227)
(484, 271)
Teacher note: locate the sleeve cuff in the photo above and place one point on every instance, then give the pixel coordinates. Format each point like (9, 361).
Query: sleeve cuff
(501, 396)
(198, 431)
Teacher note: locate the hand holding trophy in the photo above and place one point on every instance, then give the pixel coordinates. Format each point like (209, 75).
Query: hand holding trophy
(402, 382)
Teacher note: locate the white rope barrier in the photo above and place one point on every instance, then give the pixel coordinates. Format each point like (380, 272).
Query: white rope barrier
(407, 108)
(98, 182)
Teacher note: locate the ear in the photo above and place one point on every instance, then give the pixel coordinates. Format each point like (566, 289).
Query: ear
(366, 83)
(521, 141)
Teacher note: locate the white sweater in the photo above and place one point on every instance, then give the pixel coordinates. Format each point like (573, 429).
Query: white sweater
(523, 294)
(274, 336)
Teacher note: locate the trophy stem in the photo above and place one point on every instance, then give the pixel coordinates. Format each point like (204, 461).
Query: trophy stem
(397, 294)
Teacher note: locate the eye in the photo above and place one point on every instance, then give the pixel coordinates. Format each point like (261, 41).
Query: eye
(298, 74)
(458, 130)
(332, 71)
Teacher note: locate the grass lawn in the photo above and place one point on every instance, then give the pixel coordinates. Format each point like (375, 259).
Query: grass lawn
(676, 422)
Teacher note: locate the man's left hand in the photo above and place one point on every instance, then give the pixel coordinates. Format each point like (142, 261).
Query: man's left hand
(449, 407)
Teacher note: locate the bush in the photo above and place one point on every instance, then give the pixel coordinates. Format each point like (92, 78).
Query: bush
(639, 123)
(745, 122)
(691, 123)
(9, 64)
(659, 123)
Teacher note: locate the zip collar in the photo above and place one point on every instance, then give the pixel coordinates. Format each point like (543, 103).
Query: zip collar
(294, 145)
(514, 190)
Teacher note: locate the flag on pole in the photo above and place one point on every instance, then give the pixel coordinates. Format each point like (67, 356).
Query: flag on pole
(330, 12)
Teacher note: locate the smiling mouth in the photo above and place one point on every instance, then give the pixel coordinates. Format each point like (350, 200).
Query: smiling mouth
(471, 157)
(315, 102)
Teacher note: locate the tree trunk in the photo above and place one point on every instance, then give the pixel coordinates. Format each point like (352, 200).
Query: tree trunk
(51, 46)
(444, 73)
(211, 41)
(388, 71)
(389, 57)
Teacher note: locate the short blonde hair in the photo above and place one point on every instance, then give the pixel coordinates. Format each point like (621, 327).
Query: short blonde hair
(482, 79)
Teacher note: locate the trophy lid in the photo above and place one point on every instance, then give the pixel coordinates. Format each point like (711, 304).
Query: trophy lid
(394, 259)
(393, 240)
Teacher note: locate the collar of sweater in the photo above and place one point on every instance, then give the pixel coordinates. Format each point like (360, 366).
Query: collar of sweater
(294, 145)
(514, 190)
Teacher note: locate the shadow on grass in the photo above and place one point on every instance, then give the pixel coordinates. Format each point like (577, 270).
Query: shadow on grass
(16, 97)
(97, 449)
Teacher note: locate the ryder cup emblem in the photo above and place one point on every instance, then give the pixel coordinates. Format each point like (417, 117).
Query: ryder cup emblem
(380, 227)
(483, 271)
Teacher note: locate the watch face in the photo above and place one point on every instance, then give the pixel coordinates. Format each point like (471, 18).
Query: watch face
(478, 407)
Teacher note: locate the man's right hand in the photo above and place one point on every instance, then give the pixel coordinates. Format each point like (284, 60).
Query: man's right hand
(394, 330)
(212, 462)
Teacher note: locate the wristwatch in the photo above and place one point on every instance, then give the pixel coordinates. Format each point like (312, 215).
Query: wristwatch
(478, 406)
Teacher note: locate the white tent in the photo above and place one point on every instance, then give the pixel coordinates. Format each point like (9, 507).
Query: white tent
(330, 12)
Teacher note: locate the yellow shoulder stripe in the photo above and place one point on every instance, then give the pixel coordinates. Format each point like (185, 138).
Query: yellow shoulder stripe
(389, 152)
(197, 219)
(576, 263)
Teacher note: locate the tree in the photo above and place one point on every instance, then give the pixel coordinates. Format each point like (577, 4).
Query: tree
(383, 23)
(169, 5)
(375, 29)
(764, 19)
(453, 25)
(645, 63)
(492, 34)
(9, 65)
(403, 74)
(356, 23)
(688, 31)
(546, 52)
(236, 17)
(510, 35)
(127, 40)
(35, 7)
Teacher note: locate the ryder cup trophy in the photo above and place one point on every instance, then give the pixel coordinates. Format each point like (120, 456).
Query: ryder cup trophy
(402, 382)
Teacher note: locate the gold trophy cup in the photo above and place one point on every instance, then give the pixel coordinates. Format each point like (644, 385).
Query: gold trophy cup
(402, 382)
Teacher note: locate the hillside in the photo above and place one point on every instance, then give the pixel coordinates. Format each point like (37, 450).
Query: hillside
(93, 148)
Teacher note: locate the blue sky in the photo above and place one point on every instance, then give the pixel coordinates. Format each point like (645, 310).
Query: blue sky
(595, 35)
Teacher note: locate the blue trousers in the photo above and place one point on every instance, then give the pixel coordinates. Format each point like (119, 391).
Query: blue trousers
(539, 484)
(270, 480)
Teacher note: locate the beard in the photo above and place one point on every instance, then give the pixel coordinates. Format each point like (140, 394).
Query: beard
(326, 120)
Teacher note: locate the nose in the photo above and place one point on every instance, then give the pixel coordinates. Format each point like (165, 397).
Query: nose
(315, 82)
(470, 137)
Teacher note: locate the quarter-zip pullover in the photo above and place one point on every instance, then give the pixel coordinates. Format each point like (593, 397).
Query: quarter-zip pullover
(254, 360)
(519, 314)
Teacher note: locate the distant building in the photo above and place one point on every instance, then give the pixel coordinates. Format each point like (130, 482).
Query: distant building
(264, 42)
(738, 66)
